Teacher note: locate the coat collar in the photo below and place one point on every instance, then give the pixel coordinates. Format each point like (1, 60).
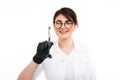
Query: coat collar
(78, 47)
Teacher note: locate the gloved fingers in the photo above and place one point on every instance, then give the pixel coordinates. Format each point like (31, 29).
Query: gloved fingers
(51, 43)
(48, 44)
(39, 45)
(44, 44)
(49, 55)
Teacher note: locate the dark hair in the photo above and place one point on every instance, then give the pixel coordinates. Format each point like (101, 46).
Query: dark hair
(68, 13)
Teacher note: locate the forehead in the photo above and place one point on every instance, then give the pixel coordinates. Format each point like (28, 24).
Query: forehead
(61, 17)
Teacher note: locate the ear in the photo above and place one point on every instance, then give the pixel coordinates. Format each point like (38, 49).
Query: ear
(76, 26)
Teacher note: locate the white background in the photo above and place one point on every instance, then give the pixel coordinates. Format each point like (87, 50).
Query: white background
(23, 23)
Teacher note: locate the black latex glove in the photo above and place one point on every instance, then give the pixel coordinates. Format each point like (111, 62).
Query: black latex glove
(42, 52)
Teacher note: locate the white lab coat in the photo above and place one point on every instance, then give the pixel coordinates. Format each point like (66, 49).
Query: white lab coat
(54, 68)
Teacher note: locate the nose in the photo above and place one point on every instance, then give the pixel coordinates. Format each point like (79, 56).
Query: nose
(63, 25)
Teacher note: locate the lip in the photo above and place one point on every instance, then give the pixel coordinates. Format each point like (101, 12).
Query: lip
(63, 31)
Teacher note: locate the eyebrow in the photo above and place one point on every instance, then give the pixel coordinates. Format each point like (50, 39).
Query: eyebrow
(59, 20)
(65, 21)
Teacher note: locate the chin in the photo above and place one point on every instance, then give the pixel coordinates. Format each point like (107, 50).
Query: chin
(63, 37)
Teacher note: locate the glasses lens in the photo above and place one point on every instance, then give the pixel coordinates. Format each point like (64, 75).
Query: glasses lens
(68, 24)
(58, 24)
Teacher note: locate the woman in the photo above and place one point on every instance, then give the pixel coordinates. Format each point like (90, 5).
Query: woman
(66, 60)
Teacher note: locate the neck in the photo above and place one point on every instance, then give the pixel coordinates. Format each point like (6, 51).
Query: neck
(66, 45)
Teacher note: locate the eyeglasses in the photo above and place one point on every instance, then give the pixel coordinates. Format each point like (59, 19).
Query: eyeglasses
(67, 24)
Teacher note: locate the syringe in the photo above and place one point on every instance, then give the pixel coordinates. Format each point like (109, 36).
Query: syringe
(49, 37)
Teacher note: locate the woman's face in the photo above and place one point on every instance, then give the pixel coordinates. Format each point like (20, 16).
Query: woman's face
(63, 27)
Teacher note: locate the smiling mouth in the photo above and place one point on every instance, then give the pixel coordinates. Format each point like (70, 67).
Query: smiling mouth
(63, 31)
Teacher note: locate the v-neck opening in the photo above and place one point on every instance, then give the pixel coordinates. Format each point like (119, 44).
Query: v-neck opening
(66, 54)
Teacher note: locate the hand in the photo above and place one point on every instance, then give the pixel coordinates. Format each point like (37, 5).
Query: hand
(42, 52)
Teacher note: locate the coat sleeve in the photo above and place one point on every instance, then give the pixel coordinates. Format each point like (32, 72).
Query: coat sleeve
(94, 74)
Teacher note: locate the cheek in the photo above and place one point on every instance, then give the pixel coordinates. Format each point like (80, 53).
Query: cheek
(72, 30)
(56, 31)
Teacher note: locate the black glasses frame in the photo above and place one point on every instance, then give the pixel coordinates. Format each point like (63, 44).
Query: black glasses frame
(67, 24)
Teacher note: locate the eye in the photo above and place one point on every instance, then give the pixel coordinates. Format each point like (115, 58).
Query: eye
(58, 22)
(69, 22)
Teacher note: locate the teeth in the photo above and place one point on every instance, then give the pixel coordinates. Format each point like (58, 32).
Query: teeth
(63, 31)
